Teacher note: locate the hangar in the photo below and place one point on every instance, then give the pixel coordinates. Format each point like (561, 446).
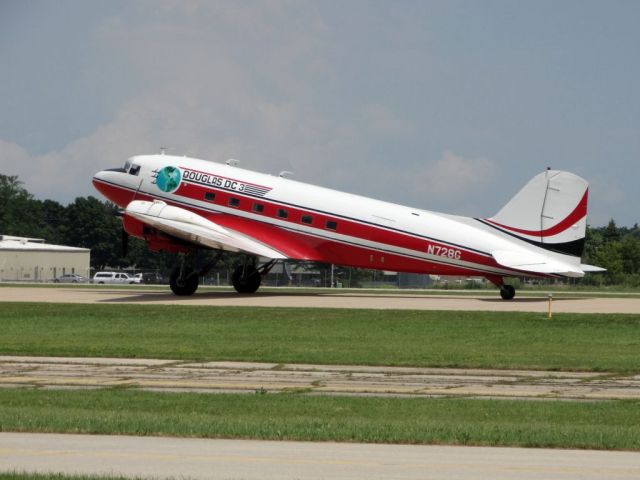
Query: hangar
(32, 260)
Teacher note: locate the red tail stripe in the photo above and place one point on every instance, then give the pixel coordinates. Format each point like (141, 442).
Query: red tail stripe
(578, 214)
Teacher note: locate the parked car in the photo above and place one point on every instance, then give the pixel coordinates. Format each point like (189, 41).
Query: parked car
(152, 278)
(137, 278)
(112, 277)
(70, 278)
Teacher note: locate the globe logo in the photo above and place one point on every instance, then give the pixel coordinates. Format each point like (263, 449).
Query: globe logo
(168, 179)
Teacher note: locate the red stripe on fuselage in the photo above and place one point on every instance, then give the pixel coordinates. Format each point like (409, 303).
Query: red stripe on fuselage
(316, 246)
(345, 227)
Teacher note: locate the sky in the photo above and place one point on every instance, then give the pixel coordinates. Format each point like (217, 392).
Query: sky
(449, 106)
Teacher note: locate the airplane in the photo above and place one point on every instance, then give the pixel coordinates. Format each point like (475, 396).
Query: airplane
(185, 205)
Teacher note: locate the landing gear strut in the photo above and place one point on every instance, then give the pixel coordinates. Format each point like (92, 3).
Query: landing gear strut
(185, 277)
(246, 278)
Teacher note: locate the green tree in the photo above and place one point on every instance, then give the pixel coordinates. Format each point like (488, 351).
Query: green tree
(20, 214)
(94, 224)
(611, 232)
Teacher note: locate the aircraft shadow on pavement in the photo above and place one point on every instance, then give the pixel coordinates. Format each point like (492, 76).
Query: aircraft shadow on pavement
(163, 296)
(159, 296)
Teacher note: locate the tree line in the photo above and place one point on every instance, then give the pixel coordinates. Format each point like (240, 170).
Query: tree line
(92, 223)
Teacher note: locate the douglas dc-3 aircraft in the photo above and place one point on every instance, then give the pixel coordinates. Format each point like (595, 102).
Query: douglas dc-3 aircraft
(181, 204)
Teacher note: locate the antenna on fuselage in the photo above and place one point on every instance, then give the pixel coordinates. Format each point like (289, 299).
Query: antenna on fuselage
(232, 162)
(163, 150)
(285, 173)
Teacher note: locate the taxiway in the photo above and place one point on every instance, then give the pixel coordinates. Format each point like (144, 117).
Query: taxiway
(323, 299)
(159, 457)
(176, 376)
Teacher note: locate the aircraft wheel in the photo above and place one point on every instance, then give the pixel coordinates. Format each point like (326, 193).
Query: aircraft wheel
(183, 286)
(507, 292)
(246, 279)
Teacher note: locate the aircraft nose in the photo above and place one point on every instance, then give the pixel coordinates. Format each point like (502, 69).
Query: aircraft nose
(99, 181)
(110, 184)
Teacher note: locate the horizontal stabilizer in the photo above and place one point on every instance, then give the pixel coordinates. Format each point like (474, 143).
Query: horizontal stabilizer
(535, 263)
(591, 268)
(193, 228)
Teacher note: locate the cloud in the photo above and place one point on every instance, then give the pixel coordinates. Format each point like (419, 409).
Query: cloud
(248, 81)
(379, 119)
(454, 175)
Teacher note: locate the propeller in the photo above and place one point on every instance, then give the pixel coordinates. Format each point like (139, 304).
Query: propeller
(125, 242)
(124, 234)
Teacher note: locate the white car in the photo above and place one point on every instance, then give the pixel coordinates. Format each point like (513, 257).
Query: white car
(112, 277)
(71, 278)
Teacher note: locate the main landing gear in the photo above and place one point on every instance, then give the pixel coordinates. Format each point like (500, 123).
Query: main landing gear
(507, 292)
(184, 279)
(247, 277)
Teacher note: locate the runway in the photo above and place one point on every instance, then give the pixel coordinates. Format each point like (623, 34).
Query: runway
(217, 377)
(161, 457)
(323, 299)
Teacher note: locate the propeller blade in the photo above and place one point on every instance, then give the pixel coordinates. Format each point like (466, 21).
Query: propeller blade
(125, 242)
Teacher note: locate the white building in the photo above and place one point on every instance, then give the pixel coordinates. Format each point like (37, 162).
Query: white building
(32, 260)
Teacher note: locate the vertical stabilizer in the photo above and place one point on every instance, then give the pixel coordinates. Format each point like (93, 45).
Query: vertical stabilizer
(550, 212)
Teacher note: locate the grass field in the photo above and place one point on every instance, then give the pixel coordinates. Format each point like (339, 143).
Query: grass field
(589, 342)
(594, 342)
(598, 425)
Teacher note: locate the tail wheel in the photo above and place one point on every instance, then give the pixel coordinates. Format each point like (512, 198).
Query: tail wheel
(507, 292)
(184, 285)
(246, 279)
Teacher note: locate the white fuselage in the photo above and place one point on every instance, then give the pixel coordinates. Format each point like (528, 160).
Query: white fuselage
(320, 224)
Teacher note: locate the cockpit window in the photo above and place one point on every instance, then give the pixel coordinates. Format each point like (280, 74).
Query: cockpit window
(127, 165)
(135, 169)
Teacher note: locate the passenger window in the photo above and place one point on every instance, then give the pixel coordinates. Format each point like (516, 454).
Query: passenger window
(257, 207)
(234, 202)
(282, 213)
(308, 219)
(331, 225)
(210, 196)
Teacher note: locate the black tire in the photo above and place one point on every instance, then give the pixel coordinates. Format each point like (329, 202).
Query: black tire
(183, 287)
(246, 279)
(507, 292)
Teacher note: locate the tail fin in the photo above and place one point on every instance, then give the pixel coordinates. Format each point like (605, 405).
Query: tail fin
(550, 212)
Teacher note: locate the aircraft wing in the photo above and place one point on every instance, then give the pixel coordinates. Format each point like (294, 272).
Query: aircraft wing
(535, 263)
(193, 228)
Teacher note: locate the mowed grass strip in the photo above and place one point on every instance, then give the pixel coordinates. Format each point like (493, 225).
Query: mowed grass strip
(598, 425)
(589, 342)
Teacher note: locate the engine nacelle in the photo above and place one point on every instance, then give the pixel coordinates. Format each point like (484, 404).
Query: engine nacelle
(156, 240)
